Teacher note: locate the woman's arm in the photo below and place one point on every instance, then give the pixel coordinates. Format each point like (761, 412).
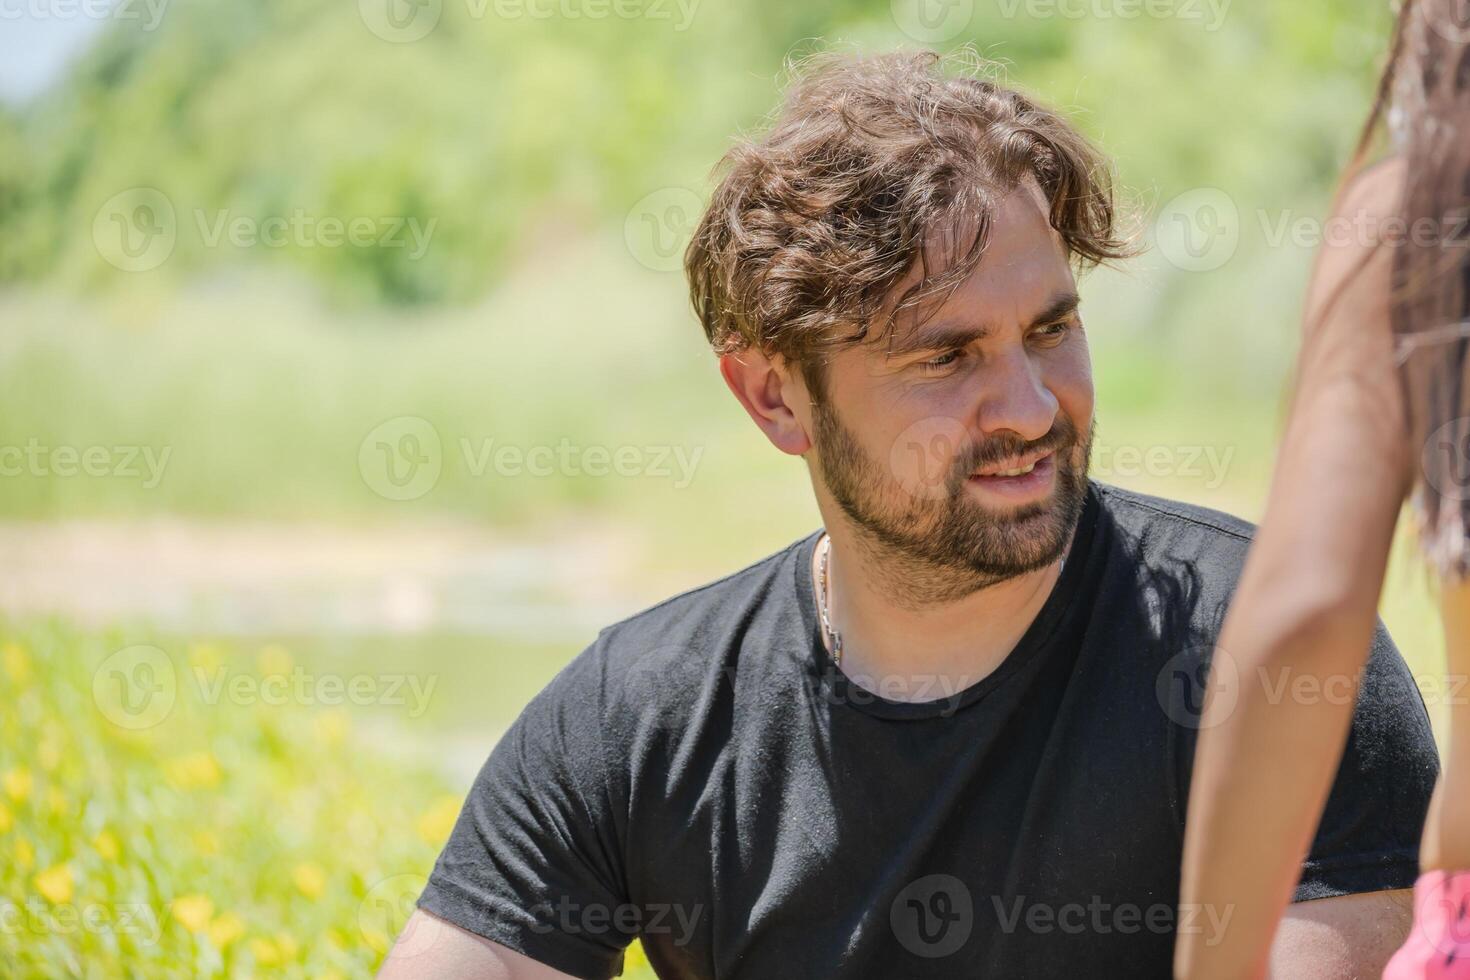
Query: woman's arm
(1306, 603)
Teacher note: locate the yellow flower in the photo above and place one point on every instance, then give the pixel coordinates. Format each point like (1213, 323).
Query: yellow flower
(274, 659)
(6, 820)
(193, 912)
(55, 884)
(206, 843)
(56, 800)
(310, 879)
(25, 854)
(18, 784)
(437, 821)
(193, 770)
(635, 958)
(107, 846)
(287, 945)
(17, 664)
(265, 952)
(225, 929)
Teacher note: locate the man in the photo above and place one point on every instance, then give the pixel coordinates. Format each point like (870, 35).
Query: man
(951, 735)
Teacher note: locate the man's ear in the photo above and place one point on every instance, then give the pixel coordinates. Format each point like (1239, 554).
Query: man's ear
(769, 392)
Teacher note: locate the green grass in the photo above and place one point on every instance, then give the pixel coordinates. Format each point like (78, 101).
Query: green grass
(229, 839)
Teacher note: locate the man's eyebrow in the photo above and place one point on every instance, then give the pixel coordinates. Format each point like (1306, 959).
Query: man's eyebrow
(948, 335)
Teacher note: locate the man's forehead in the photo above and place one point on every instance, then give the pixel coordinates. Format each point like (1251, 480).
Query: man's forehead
(1023, 271)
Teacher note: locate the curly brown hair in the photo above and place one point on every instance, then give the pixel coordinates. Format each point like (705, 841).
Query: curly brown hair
(818, 220)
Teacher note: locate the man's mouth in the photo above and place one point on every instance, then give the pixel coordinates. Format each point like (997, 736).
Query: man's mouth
(1018, 480)
(1018, 471)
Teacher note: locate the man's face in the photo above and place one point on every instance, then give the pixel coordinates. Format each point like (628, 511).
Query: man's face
(963, 443)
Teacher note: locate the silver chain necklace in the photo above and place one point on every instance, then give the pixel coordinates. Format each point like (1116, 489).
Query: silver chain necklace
(834, 638)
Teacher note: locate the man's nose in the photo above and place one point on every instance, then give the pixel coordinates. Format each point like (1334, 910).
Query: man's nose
(1013, 397)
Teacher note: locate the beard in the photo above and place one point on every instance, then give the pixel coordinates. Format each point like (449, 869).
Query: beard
(945, 544)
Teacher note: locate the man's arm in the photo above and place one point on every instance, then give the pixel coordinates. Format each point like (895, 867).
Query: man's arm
(538, 833)
(1344, 937)
(430, 948)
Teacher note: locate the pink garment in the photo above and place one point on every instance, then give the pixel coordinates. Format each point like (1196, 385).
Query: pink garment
(1439, 943)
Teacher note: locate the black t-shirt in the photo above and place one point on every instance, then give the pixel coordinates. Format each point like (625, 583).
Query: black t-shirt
(703, 777)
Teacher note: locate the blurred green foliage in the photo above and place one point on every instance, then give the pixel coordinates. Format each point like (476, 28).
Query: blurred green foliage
(495, 122)
(526, 142)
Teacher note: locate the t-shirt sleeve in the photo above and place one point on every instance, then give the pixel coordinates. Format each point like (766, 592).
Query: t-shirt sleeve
(533, 862)
(1368, 839)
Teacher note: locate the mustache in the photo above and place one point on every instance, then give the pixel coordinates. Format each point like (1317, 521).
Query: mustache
(1063, 435)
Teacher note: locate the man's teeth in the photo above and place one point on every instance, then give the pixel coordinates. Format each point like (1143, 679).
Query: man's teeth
(1018, 472)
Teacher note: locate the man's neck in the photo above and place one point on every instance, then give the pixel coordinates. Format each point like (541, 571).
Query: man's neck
(905, 649)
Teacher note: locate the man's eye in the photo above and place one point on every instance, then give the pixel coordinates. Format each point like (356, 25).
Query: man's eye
(941, 362)
(1053, 331)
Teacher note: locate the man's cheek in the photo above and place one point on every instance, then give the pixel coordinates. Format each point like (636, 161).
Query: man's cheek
(922, 456)
(1070, 383)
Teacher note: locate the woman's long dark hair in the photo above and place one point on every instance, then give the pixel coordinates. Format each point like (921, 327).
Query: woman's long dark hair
(1423, 103)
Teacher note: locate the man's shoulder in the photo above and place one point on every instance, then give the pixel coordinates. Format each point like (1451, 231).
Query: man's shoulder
(689, 641)
(1147, 517)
